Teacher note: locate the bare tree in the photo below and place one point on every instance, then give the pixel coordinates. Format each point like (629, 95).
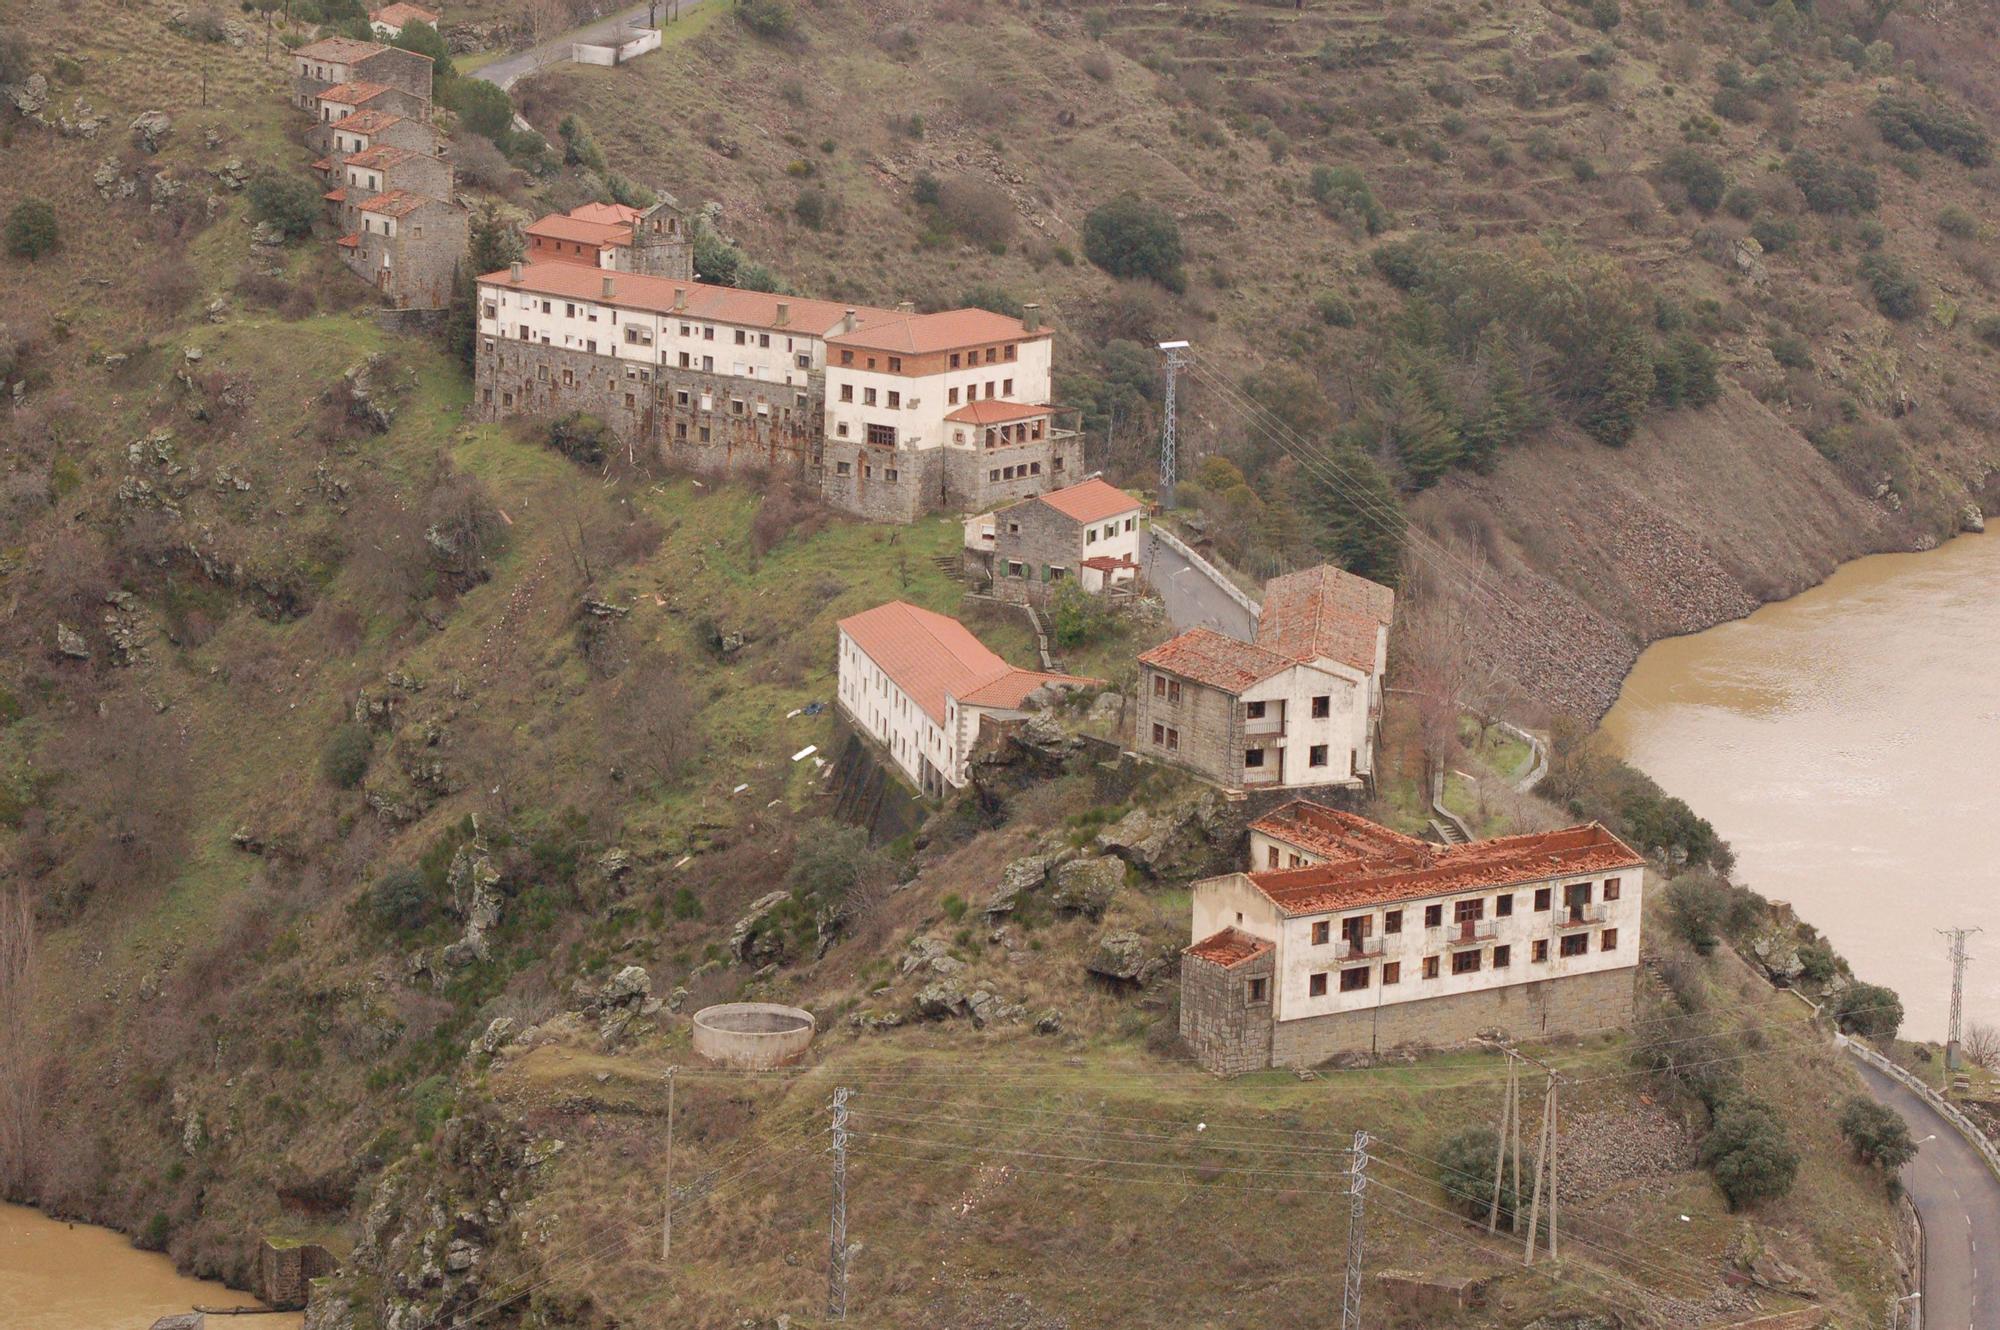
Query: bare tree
(1981, 1045)
(1434, 669)
(20, 1048)
(653, 718)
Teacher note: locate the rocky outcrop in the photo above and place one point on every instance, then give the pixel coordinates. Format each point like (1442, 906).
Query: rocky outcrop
(474, 884)
(1023, 877)
(753, 941)
(1124, 957)
(1087, 886)
(1194, 838)
(150, 130)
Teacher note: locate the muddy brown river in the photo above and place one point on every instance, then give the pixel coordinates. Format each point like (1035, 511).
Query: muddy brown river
(1845, 742)
(55, 1277)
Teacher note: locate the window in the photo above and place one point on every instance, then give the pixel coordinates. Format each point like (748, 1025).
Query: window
(951, 397)
(867, 397)
(1608, 940)
(1271, 861)
(1322, 706)
(1392, 922)
(955, 360)
(1430, 967)
(1611, 888)
(1316, 985)
(763, 340)
(844, 468)
(1254, 710)
(1465, 962)
(846, 392)
(1090, 538)
(1258, 987)
(992, 354)
(882, 436)
(1316, 755)
(1254, 758)
(1576, 944)
(1468, 911)
(1173, 690)
(1502, 956)
(1014, 568)
(1541, 952)
(491, 312)
(1006, 387)
(895, 399)
(1541, 898)
(1503, 906)
(1159, 680)
(1173, 739)
(742, 338)
(847, 357)
(1392, 973)
(805, 361)
(895, 364)
(1323, 930)
(1354, 979)
(1434, 916)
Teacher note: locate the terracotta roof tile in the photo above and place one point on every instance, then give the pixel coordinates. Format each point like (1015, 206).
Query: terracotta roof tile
(335, 196)
(353, 94)
(1446, 870)
(366, 122)
(951, 330)
(1325, 611)
(340, 50)
(351, 241)
(1229, 948)
(1089, 501)
(615, 214)
(933, 657)
(722, 304)
(1209, 657)
(381, 157)
(561, 226)
(396, 15)
(395, 203)
(1104, 563)
(993, 411)
(1333, 834)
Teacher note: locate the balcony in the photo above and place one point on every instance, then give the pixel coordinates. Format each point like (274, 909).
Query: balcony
(1359, 949)
(1265, 727)
(1469, 933)
(1581, 916)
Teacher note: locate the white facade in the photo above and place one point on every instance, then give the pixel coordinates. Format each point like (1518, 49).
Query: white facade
(893, 719)
(1552, 928)
(1307, 725)
(915, 404)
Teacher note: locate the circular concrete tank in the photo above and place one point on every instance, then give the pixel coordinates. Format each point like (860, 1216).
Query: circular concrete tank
(754, 1035)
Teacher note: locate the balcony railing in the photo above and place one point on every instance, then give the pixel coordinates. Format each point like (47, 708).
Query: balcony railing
(1352, 949)
(1469, 932)
(1264, 727)
(1581, 916)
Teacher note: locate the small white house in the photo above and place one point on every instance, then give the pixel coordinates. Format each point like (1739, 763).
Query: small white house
(389, 21)
(920, 684)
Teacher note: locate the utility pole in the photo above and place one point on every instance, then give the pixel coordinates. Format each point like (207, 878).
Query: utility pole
(1357, 1187)
(1958, 960)
(667, 1196)
(1545, 1162)
(1177, 356)
(1510, 1120)
(836, 1250)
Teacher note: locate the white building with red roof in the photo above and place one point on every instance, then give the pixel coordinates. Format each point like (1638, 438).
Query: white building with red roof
(1377, 940)
(655, 240)
(1088, 533)
(1297, 708)
(389, 21)
(920, 685)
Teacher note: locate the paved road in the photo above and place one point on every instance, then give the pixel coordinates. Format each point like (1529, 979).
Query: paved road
(1192, 599)
(1959, 1199)
(504, 71)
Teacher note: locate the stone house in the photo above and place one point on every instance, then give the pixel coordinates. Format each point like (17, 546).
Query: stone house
(388, 21)
(1087, 532)
(920, 685)
(345, 100)
(386, 170)
(657, 241)
(1297, 708)
(365, 130)
(1382, 940)
(722, 379)
(332, 61)
(408, 247)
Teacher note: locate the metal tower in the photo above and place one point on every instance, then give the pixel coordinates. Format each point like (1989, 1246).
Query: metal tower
(836, 1248)
(1177, 356)
(1958, 960)
(1350, 1293)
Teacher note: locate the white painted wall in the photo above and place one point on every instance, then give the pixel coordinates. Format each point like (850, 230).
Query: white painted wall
(1344, 730)
(645, 39)
(924, 400)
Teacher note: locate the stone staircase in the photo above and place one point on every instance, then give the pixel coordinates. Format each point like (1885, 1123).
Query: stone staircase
(951, 565)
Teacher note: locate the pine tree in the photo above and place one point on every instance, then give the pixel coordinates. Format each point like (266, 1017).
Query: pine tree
(1425, 437)
(1359, 523)
(1613, 405)
(1506, 412)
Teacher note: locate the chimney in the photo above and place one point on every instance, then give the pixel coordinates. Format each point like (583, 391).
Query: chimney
(1031, 318)
(514, 272)
(784, 313)
(847, 322)
(906, 306)
(608, 287)
(680, 298)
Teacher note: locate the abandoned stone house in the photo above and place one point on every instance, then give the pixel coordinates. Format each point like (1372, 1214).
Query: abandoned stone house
(656, 241)
(864, 403)
(1297, 708)
(920, 685)
(1380, 940)
(408, 247)
(333, 61)
(389, 21)
(1088, 533)
(385, 170)
(366, 130)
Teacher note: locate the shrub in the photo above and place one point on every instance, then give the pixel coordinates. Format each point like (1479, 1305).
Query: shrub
(1748, 1152)
(422, 38)
(1817, 963)
(1685, 373)
(770, 19)
(1958, 223)
(815, 209)
(1129, 237)
(481, 107)
(1344, 191)
(982, 213)
(1791, 351)
(1698, 174)
(1876, 1133)
(953, 905)
(400, 902)
(31, 229)
(1987, 329)
(1897, 294)
(1076, 617)
(1833, 187)
(579, 148)
(1334, 310)
(1869, 1010)
(168, 284)
(289, 203)
(1696, 905)
(1465, 1172)
(345, 760)
(582, 438)
(1774, 234)
(1907, 123)
(997, 299)
(1606, 14)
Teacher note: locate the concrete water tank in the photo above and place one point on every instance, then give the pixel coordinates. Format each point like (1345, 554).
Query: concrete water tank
(752, 1035)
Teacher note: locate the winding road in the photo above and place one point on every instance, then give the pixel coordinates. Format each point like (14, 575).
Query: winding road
(503, 72)
(1191, 597)
(1959, 1200)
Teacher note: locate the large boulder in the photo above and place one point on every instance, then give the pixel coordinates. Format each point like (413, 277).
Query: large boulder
(1193, 838)
(1122, 955)
(474, 884)
(630, 987)
(1022, 877)
(1087, 886)
(940, 1000)
(753, 941)
(150, 130)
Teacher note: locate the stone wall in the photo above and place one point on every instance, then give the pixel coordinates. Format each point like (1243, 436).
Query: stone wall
(1210, 725)
(285, 1271)
(1046, 538)
(881, 484)
(423, 257)
(1226, 1032)
(977, 479)
(403, 70)
(1572, 1004)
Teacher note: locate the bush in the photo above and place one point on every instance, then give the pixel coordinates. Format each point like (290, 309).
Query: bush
(1698, 174)
(982, 213)
(1833, 187)
(769, 19)
(1775, 235)
(481, 107)
(1897, 294)
(1791, 351)
(1685, 373)
(345, 760)
(400, 902)
(31, 229)
(1869, 1010)
(1076, 617)
(1696, 906)
(1344, 191)
(1877, 1134)
(583, 439)
(1748, 1152)
(816, 209)
(290, 203)
(1129, 237)
(1906, 123)
(422, 38)
(579, 148)
(1465, 1171)
(1334, 310)
(1958, 223)
(1987, 329)
(994, 298)
(1606, 14)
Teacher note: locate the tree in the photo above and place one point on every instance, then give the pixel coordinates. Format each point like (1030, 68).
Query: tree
(1129, 237)
(481, 107)
(1696, 904)
(1434, 668)
(1465, 1171)
(1698, 174)
(345, 760)
(1877, 1134)
(1897, 294)
(1355, 515)
(1506, 412)
(290, 203)
(422, 38)
(1612, 409)
(579, 148)
(1981, 1045)
(1344, 191)
(31, 229)
(1749, 1153)
(1420, 430)
(1869, 1010)
(658, 724)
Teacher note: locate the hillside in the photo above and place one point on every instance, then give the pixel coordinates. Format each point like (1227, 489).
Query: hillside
(291, 650)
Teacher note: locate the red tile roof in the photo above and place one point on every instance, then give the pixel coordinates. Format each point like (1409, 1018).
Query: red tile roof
(616, 214)
(1209, 657)
(1090, 501)
(323, 164)
(380, 157)
(559, 226)
(993, 411)
(1333, 834)
(335, 196)
(1446, 870)
(932, 657)
(951, 330)
(352, 241)
(722, 304)
(339, 50)
(353, 94)
(395, 203)
(396, 15)
(1104, 563)
(1325, 611)
(366, 122)
(1229, 948)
